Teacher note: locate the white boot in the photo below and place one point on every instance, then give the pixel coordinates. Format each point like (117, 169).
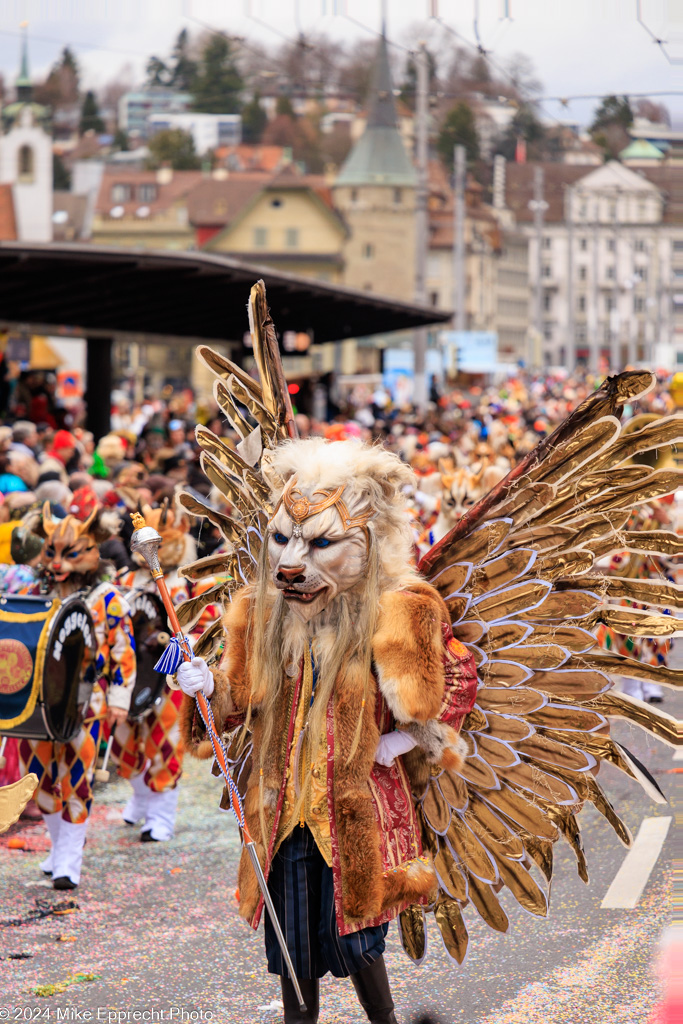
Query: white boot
(160, 817)
(136, 807)
(68, 855)
(52, 821)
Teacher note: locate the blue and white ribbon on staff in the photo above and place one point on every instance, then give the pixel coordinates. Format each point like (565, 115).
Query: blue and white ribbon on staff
(170, 660)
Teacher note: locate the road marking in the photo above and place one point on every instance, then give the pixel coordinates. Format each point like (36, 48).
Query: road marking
(678, 754)
(632, 876)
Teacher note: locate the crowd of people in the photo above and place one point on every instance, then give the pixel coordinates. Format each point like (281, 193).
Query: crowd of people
(60, 477)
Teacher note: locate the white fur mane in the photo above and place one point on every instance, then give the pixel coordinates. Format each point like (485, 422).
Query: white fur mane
(371, 477)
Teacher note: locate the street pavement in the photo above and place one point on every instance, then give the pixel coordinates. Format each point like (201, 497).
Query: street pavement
(156, 927)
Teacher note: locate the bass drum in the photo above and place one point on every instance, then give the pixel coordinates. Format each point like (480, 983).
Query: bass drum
(47, 654)
(150, 628)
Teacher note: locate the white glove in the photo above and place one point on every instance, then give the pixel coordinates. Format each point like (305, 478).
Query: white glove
(194, 676)
(392, 744)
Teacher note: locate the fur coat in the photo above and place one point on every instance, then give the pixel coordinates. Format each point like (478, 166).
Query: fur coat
(423, 680)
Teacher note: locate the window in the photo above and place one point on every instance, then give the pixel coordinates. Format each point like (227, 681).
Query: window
(147, 193)
(583, 244)
(642, 211)
(398, 195)
(292, 238)
(260, 237)
(678, 273)
(548, 332)
(547, 270)
(25, 164)
(583, 273)
(607, 333)
(610, 272)
(433, 298)
(639, 245)
(580, 332)
(678, 245)
(638, 303)
(642, 273)
(581, 303)
(609, 303)
(354, 195)
(368, 251)
(121, 193)
(583, 210)
(612, 211)
(547, 302)
(611, 245)
(547, 243)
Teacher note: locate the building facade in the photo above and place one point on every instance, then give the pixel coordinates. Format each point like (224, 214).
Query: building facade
(606, 264)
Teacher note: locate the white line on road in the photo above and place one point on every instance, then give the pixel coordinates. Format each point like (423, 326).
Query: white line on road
(632, 876)
(678, 754)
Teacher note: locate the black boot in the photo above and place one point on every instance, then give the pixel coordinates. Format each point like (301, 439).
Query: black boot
(372, 988)
(310, 991)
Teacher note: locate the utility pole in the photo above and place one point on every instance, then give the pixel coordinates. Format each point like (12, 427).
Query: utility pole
(538, 206)
(421, 221)
(570, 346)
(595, 295)
(615, 316)
(459, 239)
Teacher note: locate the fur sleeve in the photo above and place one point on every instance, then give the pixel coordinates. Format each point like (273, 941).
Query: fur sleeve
(230, 697)
(408, 653)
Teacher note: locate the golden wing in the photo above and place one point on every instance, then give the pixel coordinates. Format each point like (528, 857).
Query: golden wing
(519, 578)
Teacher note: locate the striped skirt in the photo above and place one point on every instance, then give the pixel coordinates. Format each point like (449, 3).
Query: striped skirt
(302, 890)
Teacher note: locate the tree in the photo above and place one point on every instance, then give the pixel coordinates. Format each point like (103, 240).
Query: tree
(61, 176)
(218, 83)
(284, 108)
(90, 115)
(613, 111)
(458, 129)
(173, 147)
(61, 87)
(610, 125)
(121, 141)
(409, 84)
(254, 120)
(658, 113)
(183, 70)
(524, 125)
(157, 72)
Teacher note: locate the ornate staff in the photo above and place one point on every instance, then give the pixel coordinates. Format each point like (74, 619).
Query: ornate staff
(146, 540)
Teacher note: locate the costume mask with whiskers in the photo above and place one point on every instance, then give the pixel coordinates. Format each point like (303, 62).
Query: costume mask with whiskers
(317, 547)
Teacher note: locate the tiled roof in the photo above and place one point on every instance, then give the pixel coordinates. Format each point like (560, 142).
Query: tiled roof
(167, 193)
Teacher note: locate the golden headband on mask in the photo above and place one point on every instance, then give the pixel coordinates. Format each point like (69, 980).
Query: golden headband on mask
(299, 508)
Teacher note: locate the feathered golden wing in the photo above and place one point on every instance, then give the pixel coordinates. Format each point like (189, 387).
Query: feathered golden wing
(237, 473)
(518, 575)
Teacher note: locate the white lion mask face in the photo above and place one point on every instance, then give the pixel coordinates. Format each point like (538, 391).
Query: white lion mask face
(314, 561)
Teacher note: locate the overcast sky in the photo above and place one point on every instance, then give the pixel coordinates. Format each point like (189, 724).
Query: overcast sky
(577, 46)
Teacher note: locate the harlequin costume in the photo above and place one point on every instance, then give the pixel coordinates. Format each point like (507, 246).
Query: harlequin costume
(69, 563)
(148, 750)
(380, 776)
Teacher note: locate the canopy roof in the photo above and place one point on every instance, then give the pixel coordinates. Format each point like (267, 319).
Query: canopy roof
(94, 290)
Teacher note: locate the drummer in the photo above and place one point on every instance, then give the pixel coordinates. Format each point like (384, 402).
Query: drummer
(70, 563)
(148, 750)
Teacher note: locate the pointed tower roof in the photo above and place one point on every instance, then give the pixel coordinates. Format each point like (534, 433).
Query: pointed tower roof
(24, 84)
(379, 157)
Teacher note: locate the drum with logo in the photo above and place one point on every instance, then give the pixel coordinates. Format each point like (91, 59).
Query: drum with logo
(47, 652)
(150, 628)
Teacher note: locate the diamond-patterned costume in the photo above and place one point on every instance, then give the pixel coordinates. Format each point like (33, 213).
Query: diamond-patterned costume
(65, 770)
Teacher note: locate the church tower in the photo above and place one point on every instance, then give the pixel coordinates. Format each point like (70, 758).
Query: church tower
(375, 192)
(26, 159)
